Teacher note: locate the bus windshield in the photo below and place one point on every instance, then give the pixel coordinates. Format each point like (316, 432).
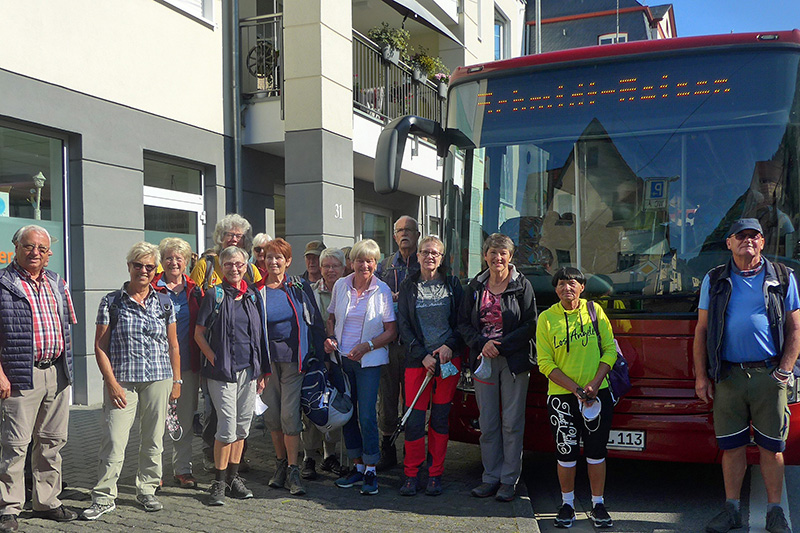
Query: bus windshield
(631, 170)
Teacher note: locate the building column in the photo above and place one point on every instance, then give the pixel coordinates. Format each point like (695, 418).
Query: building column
(318, 102)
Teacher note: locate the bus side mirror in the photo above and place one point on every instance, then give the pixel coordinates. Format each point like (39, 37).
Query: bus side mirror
(392, 144)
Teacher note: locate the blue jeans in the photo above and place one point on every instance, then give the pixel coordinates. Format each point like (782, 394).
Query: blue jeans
(361, 431)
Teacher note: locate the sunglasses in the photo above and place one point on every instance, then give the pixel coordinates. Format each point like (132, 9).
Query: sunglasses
(141, 266)
(750, 235)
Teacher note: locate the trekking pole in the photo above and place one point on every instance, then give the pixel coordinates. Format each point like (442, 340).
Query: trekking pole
(402, 424)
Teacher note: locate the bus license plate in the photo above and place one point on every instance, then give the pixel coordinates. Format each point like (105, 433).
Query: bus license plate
(626, 440)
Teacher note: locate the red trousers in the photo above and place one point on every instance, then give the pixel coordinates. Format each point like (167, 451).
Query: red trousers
(439, 393)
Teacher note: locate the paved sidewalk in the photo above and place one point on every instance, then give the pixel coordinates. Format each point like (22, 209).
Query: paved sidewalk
(325, 508)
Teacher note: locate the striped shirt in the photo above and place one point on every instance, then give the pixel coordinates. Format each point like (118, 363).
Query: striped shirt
(356, 312)
(48, 335)
(138, 350)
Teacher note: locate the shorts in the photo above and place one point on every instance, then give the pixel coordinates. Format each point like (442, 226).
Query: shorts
(282, 398)
(750, 395)
(234, 403)
(570, 428)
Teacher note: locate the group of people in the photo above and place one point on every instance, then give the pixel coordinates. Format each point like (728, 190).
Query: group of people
(239, 326)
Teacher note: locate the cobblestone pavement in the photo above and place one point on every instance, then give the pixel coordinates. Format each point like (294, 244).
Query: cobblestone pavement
(325, 508)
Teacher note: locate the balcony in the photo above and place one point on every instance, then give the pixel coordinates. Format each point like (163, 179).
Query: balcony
(261, 40)
(384, 90)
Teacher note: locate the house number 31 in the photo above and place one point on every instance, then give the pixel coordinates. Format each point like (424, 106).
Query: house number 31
(338, 211)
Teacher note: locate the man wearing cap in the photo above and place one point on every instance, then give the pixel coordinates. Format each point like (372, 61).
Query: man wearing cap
(393, 270)
(313, 272)
(745, 347)
(35, 376)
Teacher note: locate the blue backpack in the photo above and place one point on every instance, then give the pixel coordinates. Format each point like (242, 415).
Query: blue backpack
(619, 378)
(325, 397)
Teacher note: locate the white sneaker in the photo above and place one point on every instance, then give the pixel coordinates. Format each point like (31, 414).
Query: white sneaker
(96, 510)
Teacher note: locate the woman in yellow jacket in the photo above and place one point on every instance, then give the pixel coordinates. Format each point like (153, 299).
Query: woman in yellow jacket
(579, 403)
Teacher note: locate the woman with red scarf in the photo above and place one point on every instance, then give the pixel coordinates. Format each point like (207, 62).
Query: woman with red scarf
(231, 333)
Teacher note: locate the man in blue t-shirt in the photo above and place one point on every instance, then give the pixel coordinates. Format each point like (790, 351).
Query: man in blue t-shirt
(745, 347)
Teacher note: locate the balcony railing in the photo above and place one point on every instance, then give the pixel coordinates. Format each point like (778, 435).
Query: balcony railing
(384, 90)
(261, 41)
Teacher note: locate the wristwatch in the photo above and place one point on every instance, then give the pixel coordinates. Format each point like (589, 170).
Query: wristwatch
(371, 345)
(177, 381)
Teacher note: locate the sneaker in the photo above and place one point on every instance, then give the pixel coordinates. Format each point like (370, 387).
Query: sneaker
(410, 487)
(96, 510)
(565, 517)
(309, 470)
(600, 516)
(370, 485)
(295, 485)
(149, 502)
(776, 522)
(8, 522)
(350, 479)
(278, 479)
(185, 481)
(434, 487)
(216, 494)
(331, 464)
(506, 493)
(238, 490)
(727, 519)
(484, 490)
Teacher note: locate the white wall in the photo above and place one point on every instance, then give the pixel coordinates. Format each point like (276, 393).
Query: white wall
(140, 53)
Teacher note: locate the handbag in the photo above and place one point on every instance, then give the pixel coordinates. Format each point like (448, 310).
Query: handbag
(619, 379)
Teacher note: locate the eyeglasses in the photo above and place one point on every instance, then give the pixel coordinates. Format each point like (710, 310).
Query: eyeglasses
(405, 230)
(232, 235)
(258, 249)
(31, 247)
(230, 264)
(430, 253)
(174, 259)
(751, 235)
(141, 266)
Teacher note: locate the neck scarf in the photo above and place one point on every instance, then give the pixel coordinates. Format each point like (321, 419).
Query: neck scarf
(241, 287)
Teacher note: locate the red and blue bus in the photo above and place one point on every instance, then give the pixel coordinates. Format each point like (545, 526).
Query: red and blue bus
(629, 161)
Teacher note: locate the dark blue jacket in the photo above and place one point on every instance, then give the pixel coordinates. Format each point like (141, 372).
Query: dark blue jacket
(719, 293)
(311, 331)
(16, 328)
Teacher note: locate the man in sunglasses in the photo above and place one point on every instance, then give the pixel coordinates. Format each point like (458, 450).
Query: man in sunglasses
(745, 348)
(35, 377)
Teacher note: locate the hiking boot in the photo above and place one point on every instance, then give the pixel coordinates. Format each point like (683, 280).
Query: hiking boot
(370, 484)
(600, 516)
(565, 517)
(295, 485)
(434, 487)
(506, 493)
(58, 514)
(238, 490)
(96, 510)
(186, 481)
(727, 519)
(388, 455)
(484, 490)
(331, 464)
(410, 487)
(216, 494)
(278, 479)
(350, 479)
(149, 502)
(8, 522)
(776, 522)
(309, 470)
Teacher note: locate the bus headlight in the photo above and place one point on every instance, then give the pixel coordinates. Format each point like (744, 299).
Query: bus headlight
(792, 390)
(465, 382)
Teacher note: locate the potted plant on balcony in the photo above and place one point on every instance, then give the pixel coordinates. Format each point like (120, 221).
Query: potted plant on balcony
(425, 65)
(393, 41)
(443, 78)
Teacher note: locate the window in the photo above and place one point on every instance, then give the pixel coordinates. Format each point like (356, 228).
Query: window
(611, 38)
(376, 224)
(173, 202)
(501, 37)
(32, 174)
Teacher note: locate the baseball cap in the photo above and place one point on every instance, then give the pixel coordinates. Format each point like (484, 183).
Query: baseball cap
(746, 223)
(314, 247)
